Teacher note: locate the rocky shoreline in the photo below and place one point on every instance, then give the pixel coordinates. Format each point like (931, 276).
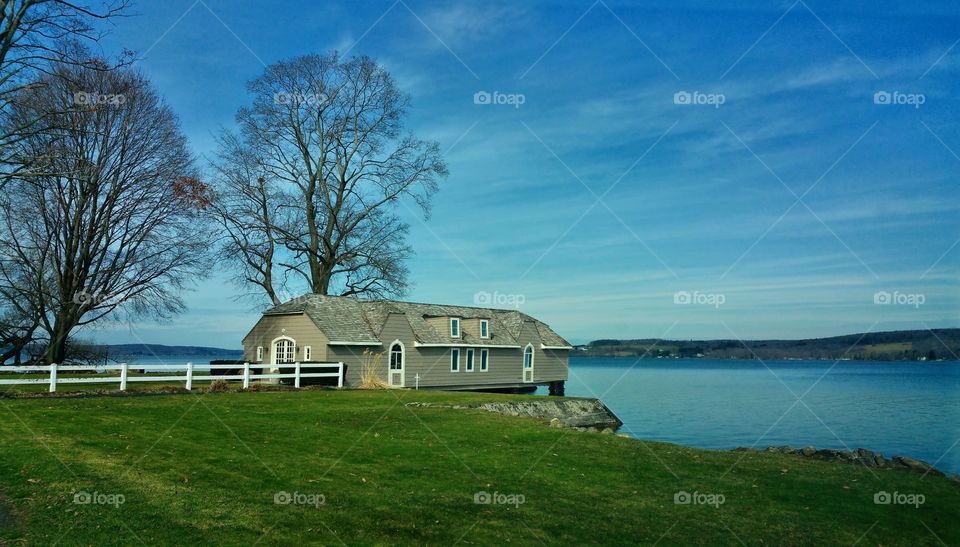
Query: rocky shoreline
(860, 456)
(581, 414)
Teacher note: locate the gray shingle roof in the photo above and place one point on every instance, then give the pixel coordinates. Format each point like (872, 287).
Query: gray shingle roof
(345, 319)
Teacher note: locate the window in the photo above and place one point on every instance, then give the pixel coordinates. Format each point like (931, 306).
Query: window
(455, 327)
(528, 358)
(307, 353)
(484, 360)
(259, 353)
(455, 360)
(484, 328)
(284, 350)
(469, 360)
(396, 357)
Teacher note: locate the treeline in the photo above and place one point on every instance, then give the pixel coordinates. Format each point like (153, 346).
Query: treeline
(107, 215)
(934, 344)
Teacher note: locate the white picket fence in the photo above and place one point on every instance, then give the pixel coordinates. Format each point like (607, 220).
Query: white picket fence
(124, 377)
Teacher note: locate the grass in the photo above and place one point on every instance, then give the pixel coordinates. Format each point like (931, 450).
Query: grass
(202, 469)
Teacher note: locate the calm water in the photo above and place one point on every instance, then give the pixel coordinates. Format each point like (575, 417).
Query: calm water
(899, 408)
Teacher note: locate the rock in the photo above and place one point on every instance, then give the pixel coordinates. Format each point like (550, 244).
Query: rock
(880, 461)
(808, 451)
(917, 465)
(864, 453)
(555, 422)
(607, 431)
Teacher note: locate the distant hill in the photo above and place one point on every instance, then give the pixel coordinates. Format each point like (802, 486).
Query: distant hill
(907, 345)
(160, 350)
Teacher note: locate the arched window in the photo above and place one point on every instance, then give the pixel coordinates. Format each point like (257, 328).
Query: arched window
(284, 350)
(396, 357)
(528, 357)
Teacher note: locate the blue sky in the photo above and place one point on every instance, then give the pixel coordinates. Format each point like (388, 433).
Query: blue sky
(783, 203)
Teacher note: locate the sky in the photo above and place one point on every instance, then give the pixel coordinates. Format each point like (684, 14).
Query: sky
(626, 169)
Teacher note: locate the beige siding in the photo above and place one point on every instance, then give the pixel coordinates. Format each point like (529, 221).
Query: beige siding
(299, 327)
(431, 363)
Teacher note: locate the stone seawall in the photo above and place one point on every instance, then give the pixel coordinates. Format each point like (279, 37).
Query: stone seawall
(860, 456)
(573, 413)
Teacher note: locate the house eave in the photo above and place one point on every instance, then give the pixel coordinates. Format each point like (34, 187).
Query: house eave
(465, 345)
(542, 346)
(346, 343)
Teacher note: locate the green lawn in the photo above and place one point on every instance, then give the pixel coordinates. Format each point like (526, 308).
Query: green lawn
(199, 469)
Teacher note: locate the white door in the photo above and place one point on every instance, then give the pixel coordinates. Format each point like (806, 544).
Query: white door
(528, 363)
(395, 372)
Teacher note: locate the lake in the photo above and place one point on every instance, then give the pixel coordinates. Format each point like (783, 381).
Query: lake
(897, 408)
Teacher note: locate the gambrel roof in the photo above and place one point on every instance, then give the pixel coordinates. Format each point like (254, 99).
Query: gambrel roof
(348, 320)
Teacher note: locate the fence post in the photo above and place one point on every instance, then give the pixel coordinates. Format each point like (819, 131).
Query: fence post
(124, 371)
(53, 377)
(246, 375)
(296, 375)
(189, 376)
(340, 376)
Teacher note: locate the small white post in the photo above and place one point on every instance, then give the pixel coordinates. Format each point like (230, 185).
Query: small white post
(53, 377)
(246, 375)
(189, 376)
(340, 375)
(124, 371)
(417, 378)
(296, 375)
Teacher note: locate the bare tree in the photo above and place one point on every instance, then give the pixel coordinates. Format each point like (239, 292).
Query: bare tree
(324, 141)
(34, 34)
(105, 212)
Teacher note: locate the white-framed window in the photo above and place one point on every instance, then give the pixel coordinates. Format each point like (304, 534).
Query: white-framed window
(469, 364)
(455, 360)
(528, 357)
(284, 350)
(396, 356)
(484, 360)
(307, 353)
(484, 328)
(259, 353)
(455, 327)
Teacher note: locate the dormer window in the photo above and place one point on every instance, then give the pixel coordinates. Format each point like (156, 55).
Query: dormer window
(455, 327)
(484, 328)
